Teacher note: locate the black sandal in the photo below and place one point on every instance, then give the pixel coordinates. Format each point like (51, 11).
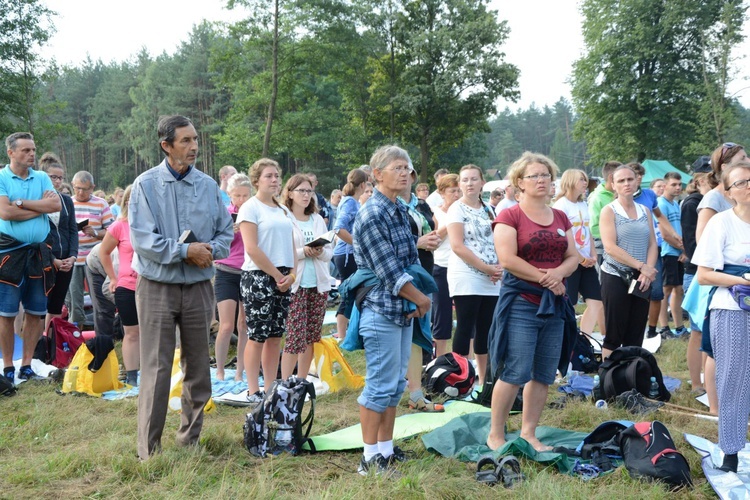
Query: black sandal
(486, 475)
(508, 471)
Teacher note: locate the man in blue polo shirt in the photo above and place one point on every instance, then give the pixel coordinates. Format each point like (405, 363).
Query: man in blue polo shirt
(26, 197)
(673, 255)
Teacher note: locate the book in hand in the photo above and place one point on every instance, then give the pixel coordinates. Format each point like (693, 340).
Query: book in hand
(188, 236)
(323, 239)
(635, 289)
(82, 224)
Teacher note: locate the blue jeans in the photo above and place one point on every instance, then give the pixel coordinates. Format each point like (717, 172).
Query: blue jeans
(534, 345)
(30, 292)
(387, 349)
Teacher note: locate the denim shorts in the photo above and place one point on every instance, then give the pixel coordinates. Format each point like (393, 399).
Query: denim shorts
(534, 344)
(657, 287)
(387, 350)
(30, 293)
(686, 280)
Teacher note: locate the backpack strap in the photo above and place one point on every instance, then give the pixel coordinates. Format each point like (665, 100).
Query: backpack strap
(631, 373)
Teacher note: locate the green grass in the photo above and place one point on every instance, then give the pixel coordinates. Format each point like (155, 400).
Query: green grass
(54, 446)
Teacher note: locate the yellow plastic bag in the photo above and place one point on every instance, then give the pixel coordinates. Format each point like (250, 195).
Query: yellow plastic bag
(175, 388)
(78, 377)
(332, 368)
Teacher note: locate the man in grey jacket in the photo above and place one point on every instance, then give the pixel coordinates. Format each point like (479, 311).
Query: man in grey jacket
(174, 285)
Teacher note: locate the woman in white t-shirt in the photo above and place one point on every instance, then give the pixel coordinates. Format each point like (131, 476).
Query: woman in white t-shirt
(715, 202)
(310, 289)
(442, 304)
(473, 269)
(585, 279)
(723, 257)
(267, 274)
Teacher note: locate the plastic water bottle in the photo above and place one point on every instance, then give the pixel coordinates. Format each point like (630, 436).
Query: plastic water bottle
(584, 359)
(71, 384)
(336, 368)
(597, 392)
(653, 391)
(283, 437)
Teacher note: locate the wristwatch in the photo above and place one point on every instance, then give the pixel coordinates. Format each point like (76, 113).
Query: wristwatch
(19, 203)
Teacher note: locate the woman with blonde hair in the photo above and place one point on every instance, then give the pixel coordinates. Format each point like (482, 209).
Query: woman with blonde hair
(122, 285)
(313, 281)
(585, 279)
(227, 284)
(267, 274)
(536, 248)
(473, 269)
(442, 307)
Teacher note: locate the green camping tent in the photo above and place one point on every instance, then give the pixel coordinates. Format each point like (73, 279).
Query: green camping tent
(655, 169)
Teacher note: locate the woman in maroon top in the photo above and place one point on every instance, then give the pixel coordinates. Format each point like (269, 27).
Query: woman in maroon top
(536, 248)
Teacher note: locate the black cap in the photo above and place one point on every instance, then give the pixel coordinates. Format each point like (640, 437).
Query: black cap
(702, 164)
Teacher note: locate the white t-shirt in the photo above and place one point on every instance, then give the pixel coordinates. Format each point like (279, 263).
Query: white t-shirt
(726, 240)
(505, 203)
(714, 200)
(434, 200)
(462, 278)
(443, 252)
(275, 237)
(578, 215)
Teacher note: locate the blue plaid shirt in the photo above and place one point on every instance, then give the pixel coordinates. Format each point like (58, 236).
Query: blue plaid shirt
(383, 243)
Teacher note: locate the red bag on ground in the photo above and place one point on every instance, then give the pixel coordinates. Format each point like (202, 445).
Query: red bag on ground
(67, 338)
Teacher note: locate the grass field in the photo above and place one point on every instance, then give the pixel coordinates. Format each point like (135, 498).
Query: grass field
(54, 446)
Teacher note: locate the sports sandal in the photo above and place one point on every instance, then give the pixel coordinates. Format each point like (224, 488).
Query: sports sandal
(426, 406)
(485, 474)
(508, 471)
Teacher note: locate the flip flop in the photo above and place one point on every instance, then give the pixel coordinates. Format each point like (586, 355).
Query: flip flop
(486, 475)
(508, 471)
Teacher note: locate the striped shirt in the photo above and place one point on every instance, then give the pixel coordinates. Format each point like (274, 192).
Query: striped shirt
(633, 236)
(96, 210)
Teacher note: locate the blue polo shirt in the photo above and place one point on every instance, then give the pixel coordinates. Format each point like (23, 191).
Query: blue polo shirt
(671, 210)
(31, 188)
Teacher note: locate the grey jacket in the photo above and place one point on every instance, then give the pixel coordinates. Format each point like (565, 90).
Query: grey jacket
(161, 208)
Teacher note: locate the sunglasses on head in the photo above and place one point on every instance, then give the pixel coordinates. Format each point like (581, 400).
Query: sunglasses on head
(726, 147)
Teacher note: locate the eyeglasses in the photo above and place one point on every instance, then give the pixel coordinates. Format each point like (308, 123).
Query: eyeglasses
(56, 177)
(401, 170)
(307, 192)
(84, 189)
(742, 184)
(537, 177)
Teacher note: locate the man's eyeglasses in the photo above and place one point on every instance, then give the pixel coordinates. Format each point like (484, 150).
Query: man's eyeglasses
(84, 189)
(537, 177)
(56, 177)
(307, 192)
(741, 184)
(401, 170)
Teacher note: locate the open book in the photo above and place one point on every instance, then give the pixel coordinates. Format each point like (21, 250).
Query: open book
(323, 239)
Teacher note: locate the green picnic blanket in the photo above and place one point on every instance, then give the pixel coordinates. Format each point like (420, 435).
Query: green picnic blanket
(465, 438)
(350, 438)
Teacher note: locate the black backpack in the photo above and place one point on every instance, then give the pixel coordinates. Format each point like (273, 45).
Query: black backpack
(584, 359)
(450, 375)
(649, 452)
(276, 425)
(630, 368)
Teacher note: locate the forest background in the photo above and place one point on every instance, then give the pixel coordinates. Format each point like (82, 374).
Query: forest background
(319, 84)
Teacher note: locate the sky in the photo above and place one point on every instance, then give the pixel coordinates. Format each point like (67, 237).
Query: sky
(544, 41)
